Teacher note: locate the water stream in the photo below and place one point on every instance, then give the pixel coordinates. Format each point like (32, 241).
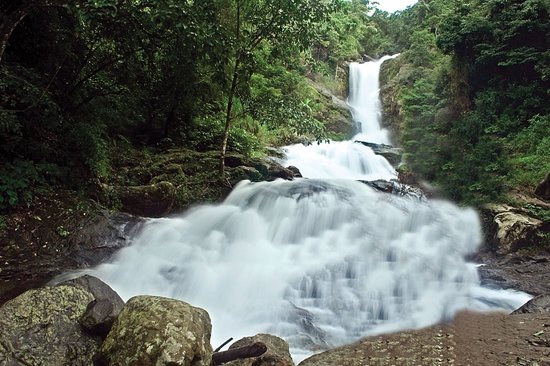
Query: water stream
(319, 261)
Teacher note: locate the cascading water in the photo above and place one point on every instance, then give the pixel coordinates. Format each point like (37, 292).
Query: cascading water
(319, 261)
(364, 101)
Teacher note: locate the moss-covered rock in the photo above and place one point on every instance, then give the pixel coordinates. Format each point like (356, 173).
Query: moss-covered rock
(154, 330)
(152, 200)
(102, 312)
(40, 327)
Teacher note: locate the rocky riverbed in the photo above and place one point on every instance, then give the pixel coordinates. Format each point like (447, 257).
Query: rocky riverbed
(61, 231)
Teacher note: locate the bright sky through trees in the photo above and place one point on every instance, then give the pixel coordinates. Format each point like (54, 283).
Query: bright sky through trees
(394, 5)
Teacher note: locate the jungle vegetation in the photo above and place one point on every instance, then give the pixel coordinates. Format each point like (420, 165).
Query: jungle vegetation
(82, 81)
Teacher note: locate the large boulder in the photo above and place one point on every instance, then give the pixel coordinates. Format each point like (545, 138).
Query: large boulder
(510, 228)
(40, 327)
(102, 312)
(153, 200)
(277, 353)
(538, 304)
(153, 330)
(543, 189)
(100, 236)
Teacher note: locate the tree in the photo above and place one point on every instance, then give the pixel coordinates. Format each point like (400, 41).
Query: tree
(280, 22)
(14, 12)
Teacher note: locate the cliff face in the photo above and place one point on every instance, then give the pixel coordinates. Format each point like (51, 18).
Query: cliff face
(393, 77)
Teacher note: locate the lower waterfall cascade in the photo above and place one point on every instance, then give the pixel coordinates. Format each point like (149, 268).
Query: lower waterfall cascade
(319, 261)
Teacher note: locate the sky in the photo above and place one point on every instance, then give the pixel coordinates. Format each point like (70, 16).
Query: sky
(393, 5)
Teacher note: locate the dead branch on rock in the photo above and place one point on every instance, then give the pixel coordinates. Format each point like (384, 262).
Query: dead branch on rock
(254, 350)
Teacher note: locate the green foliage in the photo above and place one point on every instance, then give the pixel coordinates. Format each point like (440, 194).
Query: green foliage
(22, 179)
(473, 87)
(531, 160)
(62, 232)
(90, 148)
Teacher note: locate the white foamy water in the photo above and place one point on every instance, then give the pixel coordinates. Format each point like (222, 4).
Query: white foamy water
(365, 102)
(320, 262)
(344, 160)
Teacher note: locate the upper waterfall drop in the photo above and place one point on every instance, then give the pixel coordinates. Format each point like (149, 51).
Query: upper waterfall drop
(364, 87)
(346, 159)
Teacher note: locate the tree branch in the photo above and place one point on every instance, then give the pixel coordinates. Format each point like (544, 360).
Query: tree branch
(254, 350)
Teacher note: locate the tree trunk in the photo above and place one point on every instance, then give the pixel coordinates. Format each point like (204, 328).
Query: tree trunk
(11, 20)
(232, 91)
(253, 350)
(228, 118)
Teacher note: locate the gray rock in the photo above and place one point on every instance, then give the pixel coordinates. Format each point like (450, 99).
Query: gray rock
(277, 353)
(102, 235)
(397, 188)
(512, 229)
(244, 173)
(392, 154)
(276, 170)
(153, 330)
(102, 312)
(537, 305)
(40, 327)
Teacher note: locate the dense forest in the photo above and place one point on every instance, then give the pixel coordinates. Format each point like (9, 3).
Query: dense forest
(87, 83)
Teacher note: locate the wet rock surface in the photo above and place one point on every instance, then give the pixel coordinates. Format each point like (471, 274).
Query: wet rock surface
(520, 272)
(538, 304)
(392, 154)
(470, 339)
(397, 188)
(59, 233)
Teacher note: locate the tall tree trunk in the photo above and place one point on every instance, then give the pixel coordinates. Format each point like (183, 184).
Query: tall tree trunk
(9, 22)
(228, 118)
(232, 91)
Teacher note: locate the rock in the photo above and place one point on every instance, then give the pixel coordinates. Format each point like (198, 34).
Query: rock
(233, 160)
(40, 327)
(510, 229)
(153, 200)
(277, 354)
(539, 304)
(295, 170)
(244, 173)
(518, 272)
(394, 75)
(397, 188)
(470, 339)
(153, 330)
(102, 235)
(543, 189)
(102, 312)
(392, 154)
(276, 170)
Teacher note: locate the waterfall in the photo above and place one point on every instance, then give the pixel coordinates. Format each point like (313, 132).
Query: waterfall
(319, 261)
(364, 101)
